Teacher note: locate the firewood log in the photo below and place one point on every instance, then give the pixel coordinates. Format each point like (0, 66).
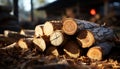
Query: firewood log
(13, 34)
(57, 38)
(39, 31)
(25, 43)
(85, 38)
(52, 50)
(72, 49)
(99, 51)
(27, 33)
(50, 27)
(100, 33)
(40, 44)
(69, 26)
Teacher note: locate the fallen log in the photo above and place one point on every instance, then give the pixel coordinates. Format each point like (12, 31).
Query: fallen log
(50, 27)
(27, 33)
(40, 44)
(39, 31)
(57, 38)
(52, 50)
(25, 43)
(99, 51)
(72, 49)
(85, 38)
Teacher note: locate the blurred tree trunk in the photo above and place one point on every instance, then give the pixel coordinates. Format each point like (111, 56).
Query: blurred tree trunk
(32, 13)
(15, 5)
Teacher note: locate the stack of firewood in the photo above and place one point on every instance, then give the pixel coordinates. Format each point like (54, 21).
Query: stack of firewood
(68, 36)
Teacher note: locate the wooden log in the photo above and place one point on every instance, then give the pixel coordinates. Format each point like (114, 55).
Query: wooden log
(85, 38)
(69, 26)
(25, 43)
(99, 51)
(52, 50)
(57, 38)
(72, 49)
(13, 34)
(27, 33)
(40, 44)
(100, 33)
(39, 31)
(50, 27)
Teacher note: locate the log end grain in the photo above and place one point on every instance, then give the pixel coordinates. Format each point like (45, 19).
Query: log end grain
(85, 38)
(69, 26)
(56, 38)
(40, 44)
(72, 49)
(48, 28)
(39, 30)
(95, 53)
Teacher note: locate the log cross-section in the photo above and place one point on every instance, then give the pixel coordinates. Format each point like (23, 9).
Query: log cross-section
(85, 38)
(57, 38)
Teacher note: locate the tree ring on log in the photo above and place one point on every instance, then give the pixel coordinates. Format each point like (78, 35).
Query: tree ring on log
(69, 26)
(95, 53)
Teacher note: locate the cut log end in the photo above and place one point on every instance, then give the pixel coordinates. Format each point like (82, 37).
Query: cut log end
(85, 38)
(40, 44)
(48, 28)
(72, 49)
(69, 26)
(25, 43)
(56, 38)
(39, 30)
(95, 53)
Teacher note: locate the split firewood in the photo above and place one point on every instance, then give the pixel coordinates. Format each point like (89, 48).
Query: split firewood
(13, 34)
(99, 51)
(85, 38)
(72, 49)
(57, 38)
(39, 31)
(27, 33)
(51, 26)
(40, 44)
(52, 50)
(25, 43)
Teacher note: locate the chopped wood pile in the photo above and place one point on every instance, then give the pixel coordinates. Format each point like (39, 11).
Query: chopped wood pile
(59, 44)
